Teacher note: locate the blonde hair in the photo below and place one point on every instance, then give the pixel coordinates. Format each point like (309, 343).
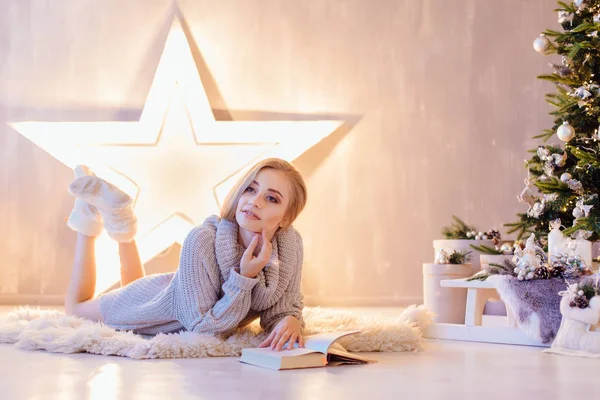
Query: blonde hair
(297, 185)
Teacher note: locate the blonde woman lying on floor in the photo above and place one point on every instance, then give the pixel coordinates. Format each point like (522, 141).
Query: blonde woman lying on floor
(243, 265)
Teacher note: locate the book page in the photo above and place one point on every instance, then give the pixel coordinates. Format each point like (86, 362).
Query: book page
(341, 355)
(322, 341)
(281, 353)
(319, 343)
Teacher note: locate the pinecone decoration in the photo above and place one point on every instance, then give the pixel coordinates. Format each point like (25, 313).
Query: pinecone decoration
(557, 272)
(582, 302)
(542, 273)
(494, 234)
(572, 304)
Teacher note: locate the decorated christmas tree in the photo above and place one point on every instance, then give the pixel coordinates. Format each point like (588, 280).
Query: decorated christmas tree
(563, 173)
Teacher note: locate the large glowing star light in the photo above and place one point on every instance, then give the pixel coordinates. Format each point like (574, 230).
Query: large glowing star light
(177, 161)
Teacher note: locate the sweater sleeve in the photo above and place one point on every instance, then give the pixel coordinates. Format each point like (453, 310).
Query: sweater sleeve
(197, 304)
(292, 300)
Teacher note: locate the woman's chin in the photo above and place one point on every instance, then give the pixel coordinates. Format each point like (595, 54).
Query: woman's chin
(249, 224)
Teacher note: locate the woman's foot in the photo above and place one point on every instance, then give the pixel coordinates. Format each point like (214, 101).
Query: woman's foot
(85, 218)
(114, 205)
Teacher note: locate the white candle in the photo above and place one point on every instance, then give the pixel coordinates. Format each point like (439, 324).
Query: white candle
(584, 250)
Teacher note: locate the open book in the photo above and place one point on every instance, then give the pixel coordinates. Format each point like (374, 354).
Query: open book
(319, 350)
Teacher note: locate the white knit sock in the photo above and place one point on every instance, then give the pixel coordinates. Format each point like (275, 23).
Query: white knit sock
(114, 205)
(84, 218)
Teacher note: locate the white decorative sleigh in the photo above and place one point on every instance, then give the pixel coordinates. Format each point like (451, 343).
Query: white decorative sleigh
(579, 333)
(478, 327)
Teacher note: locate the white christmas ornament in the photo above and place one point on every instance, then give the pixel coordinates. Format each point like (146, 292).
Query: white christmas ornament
(581, 210)
(541, 44)
(565, 132)
(526, 197)
(442, 257)
(556, 239)
(566, 177)
(580, 4)
(543, 153)
(582, 93)
(529, 260)
(575, 186)
(560, 159)
(537, 209)
(564, 16)
(506, 249)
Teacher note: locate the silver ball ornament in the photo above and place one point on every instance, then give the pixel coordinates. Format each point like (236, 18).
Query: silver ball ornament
(565, 132)
(506, 248)
(541, 44)
(530, 275)
(566, 177)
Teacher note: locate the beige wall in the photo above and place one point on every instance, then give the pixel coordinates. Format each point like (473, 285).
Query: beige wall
(441, 97)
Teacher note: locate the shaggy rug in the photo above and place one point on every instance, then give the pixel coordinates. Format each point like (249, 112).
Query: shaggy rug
(35, 329)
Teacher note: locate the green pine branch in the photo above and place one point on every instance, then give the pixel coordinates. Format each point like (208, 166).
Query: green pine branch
(506, 268)
(480, 276)
(573, 50)
(553, 186)
(458, 229)
(570, 103)
(486, 249)
(566, 7)
(585, 158)
(459, 257)
(547, 135)
(588, 289)
(557, 79)
(523, 227)
(586, 224)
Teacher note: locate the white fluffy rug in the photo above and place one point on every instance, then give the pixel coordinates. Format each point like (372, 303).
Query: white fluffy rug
(35, 329)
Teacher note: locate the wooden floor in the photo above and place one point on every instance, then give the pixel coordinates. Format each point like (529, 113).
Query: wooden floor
(444, 370)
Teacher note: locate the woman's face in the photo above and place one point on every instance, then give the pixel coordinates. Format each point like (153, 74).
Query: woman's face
(263, 204)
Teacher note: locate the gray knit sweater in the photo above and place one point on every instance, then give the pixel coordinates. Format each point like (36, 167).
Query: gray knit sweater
(207, 294)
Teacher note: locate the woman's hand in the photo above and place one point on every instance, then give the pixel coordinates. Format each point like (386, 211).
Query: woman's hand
(289, 329)
(250, 265)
